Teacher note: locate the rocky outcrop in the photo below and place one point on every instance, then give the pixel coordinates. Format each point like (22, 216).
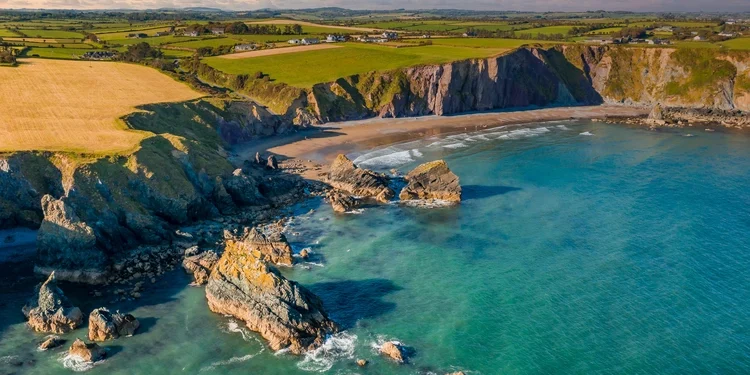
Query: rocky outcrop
(345, 175)
(24, 179)
(342, 202)
(432, 181)
(50, 342)
(50, 311)
(200, 266)
(393, 350)
(104, 325)
(69, 243)
(272, 248)
(87, 352)
(285, 313)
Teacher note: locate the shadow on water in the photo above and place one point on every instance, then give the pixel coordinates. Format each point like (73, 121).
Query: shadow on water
(351, 300)
(482, 191)
(146, 324)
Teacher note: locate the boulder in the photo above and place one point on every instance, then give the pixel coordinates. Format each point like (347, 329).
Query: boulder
(104, 325)
(393, 350)
(258, 159)
(304, 254)
(90, 352)
(272, 248)
(362, 362)
(342, 202)
(281, 311)
(50, 343)
(50, 311)
(200, 266)
(345, 175)
(272, 162)
(433, 180)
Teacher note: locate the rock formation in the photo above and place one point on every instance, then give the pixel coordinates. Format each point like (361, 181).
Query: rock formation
(272, 248)
(104, 325)
(272, 162)
(342, 202)
(393, 350)
(86, 352)
(200, 266)
(282, 311)
(345, 175)
(433, 180)
(50, 311)
(50, 342)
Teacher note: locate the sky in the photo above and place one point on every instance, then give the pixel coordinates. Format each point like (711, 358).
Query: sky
(521, 5)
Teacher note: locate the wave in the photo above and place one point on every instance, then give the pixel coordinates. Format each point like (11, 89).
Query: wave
(77, 364)
(431, 203)
(389, 157)
(336, 347)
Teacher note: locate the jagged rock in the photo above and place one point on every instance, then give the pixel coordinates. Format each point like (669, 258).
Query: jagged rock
(67, 243)
(200, 266)
(243, 188)
(90, 352)
(345, 175)
(656, 113)
(50, 311)
(272, 248)
(342, 202)
(282, 311)
(104, 325)
(258, 158)
(50, 343)
(362, 362)
(393, 350)
(272, 162)
(433, 180)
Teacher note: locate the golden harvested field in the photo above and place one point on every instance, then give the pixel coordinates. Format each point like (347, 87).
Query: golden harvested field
(55, 105)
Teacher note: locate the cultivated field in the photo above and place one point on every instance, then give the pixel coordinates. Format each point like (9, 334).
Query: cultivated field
(56, 105)
(304, 69)
(310, 27)
(278, 51)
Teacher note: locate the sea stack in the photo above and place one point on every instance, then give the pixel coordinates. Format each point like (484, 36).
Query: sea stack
(282, 311)
(104, 325)
(345, 175)
(432, 181)
(272, 248)
(50, 311)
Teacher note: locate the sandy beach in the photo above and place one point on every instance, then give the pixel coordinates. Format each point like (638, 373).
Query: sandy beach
(321, 145)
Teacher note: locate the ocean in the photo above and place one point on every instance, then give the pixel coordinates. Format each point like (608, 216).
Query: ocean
(579, 248)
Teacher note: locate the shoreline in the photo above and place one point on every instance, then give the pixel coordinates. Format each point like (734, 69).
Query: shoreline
(307, 150)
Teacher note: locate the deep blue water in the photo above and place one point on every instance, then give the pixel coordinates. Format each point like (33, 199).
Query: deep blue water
(626, 251)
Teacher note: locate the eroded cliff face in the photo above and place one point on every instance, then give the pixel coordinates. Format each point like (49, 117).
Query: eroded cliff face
(92, 211)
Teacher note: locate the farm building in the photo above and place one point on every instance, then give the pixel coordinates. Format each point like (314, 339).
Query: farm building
(335, 38)
(98, 55)
(244, 47)
(137, 36)
(293, 41)
(190, 33)
(699, 38)
(309, 41)
(163, 33)
(390, 35)
(217, 31)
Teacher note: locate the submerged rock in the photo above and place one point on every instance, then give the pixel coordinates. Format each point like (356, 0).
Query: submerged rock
(362, 362)
(50, 311)
(282, 311)
(393, 350)
(342, 202)
(90, 352)
(200, 266)
(104, 325)
(433, 180)
(272, 248)
(50, 343)
(345, 175)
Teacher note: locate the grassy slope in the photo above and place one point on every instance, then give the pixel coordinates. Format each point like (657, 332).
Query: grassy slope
(305, 69)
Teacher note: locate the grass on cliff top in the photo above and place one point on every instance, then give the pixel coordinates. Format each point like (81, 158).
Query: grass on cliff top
(304, 69)
(72, 106)
(738, 43)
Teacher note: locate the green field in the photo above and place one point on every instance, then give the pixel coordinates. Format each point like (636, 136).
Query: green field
(605, 31)
(154, 41)
(548, 30)
(39, 33)
(151, 31)
(305, 69)
(6, 32)
(485, 42)
(213, 42)
(739, 43)
(57, 53)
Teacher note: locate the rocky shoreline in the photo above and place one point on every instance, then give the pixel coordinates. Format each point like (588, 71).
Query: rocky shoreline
(682, 117)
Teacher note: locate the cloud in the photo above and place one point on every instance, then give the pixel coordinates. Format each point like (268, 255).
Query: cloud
(523, 5)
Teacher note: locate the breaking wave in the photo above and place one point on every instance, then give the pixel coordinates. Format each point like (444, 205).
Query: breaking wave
(389, 157)
(336, 347)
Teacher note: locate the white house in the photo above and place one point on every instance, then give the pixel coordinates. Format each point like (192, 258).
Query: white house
(191, 33)
(728, 35)
(217, 31)
(309, 41)
(293, 41)
(699, 38)
(335, 38)
(244, 47)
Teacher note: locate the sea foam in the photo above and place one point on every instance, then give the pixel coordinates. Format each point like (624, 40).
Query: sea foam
(336, 347)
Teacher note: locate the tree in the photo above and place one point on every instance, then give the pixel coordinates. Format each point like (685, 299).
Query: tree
(297, 29)
(139, 52)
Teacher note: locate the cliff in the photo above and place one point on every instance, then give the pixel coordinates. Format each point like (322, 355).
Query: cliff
(92, 211)
(561, 75)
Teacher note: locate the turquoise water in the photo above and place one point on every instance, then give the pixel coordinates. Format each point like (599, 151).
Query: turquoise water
(624, 251)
